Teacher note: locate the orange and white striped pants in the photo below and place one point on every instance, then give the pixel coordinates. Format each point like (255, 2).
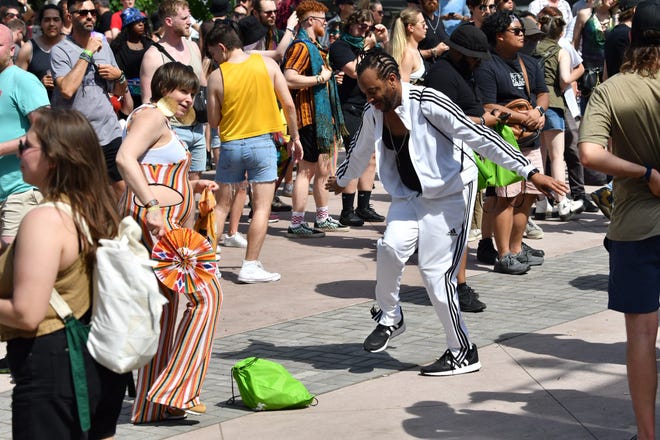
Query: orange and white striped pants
(175, 375)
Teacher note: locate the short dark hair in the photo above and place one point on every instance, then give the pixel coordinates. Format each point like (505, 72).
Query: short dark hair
(42, 12)
(225, 32)
(172, 76)
(496, 24)
(357, 17)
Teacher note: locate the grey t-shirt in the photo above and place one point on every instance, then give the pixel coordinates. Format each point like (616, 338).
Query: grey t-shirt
(91, 98)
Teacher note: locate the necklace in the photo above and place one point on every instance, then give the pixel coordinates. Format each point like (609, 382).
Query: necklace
(404, 141)
(430, 23)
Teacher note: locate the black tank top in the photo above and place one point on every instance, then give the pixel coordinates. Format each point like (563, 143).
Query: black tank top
(40, 62)
(399, 144)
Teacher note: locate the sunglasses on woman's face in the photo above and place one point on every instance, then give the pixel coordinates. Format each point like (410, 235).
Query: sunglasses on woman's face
(23, 146)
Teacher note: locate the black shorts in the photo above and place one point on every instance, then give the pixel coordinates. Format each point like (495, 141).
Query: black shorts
(308, 141)
(634, 283)
(110, 154)
(43, 402)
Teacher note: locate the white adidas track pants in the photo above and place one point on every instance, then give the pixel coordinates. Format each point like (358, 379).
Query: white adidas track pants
(439, 228)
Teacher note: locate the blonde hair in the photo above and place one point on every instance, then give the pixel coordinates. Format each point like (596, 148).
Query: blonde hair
(399, 34)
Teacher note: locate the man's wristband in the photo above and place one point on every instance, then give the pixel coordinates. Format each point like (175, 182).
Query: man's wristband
(647, 175)
(541, 110)
(531, 173)
(291, 30)
(122, 78)
(86, 56)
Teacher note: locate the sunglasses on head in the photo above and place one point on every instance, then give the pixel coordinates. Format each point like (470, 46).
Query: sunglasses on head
(85, 12)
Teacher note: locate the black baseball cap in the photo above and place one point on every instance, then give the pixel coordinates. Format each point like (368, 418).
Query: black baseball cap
(470, 41)
(646, 24)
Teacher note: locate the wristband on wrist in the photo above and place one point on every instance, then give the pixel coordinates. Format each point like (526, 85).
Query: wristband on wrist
(88, 52)
(151, 203)
(153, 208)
(85, 56)
(291, 30)
(122, 78)
(531, 173)
(541, 110)
(647, 175)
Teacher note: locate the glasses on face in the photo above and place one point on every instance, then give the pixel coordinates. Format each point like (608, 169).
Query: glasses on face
(491, 8)
(10, 15)
(381, 13)
(321, 19)
(517, 31)
(85, 12)
(23, 147)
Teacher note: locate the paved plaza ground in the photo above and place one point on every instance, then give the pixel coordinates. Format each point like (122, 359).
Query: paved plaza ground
(553, 357)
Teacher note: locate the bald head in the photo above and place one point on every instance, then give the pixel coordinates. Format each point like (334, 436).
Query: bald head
(6, 36)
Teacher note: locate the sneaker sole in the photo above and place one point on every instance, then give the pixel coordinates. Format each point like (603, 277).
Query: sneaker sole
(517, 272)
(463, 370)
(344, 229)
(534, 236)
(252, 281)
(292, 235)
(396, 332)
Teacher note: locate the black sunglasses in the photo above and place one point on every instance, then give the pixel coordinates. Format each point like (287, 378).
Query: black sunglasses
(517, 31)
(23, 146)
(85, 12)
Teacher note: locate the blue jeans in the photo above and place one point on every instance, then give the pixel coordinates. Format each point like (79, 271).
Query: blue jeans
(255, 156)
(193, 139)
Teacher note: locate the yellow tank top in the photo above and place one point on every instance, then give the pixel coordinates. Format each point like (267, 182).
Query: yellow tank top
(249, 107)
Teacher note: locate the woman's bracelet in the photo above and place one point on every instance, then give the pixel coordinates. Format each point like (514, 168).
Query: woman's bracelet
(291, 30)
(153, 208)
(151, 203)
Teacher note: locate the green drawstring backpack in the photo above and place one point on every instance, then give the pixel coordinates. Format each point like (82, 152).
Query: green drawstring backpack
(266, 385)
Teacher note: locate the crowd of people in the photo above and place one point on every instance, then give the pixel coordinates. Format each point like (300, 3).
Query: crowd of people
(269, 92)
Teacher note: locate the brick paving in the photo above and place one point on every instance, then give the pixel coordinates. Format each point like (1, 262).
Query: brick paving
(325, 350)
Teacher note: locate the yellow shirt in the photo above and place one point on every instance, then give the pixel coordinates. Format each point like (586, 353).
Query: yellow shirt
(249, 107)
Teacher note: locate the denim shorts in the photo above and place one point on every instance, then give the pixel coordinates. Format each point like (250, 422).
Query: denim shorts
(255, 156)
(634, 283)
(554, 119)
(194, 140)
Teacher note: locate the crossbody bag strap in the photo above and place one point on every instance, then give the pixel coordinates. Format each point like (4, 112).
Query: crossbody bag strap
(524, 72)
(164, 52)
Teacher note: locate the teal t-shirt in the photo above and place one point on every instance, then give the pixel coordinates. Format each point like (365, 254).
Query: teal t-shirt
(20, 94)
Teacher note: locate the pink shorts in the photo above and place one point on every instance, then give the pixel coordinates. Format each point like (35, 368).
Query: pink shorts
(523, 187)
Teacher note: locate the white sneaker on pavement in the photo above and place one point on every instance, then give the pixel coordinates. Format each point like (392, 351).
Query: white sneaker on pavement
(254, 272)
(237, 240)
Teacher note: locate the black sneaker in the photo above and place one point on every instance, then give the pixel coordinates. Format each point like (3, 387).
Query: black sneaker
(4, 366)
(378, 339)
(369, 215)
(589, 205)
(486, 252)
(468, 300)
(447, 365)
(279, 206)
(349, 218)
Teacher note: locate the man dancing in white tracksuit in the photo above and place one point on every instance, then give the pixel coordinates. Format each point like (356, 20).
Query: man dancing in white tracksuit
(423, 144)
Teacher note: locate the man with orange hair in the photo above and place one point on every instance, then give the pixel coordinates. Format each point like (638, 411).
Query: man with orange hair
(320, 119)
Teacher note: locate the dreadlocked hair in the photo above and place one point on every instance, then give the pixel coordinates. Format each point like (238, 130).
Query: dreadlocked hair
(379, 60)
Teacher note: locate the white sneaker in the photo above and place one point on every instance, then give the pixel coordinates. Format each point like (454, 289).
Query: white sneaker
(474, 235)
(567, 208)
(532, 230)
(543, 210)
(236, 240)
(254, 272)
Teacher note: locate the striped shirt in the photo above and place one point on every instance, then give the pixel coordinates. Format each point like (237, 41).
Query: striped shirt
(297, 58)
